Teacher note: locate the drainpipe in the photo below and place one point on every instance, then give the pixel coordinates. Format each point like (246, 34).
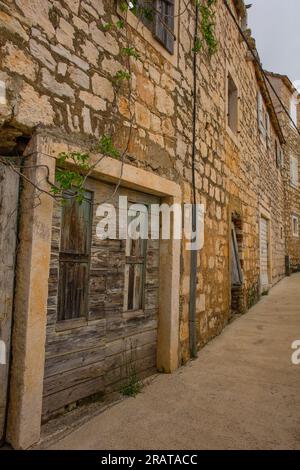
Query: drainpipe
(194, 253)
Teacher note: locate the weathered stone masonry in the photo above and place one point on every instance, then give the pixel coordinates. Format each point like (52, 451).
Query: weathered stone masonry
(57, 65)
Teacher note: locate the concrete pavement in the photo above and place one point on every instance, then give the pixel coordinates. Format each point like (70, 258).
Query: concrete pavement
(243, 392)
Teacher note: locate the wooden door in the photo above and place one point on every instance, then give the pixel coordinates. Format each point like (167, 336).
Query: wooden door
(9, 184)
(264, 252)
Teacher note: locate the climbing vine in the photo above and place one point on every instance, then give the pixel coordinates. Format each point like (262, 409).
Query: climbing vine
(207, 27)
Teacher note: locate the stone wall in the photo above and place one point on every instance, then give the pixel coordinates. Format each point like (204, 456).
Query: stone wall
(58, 66)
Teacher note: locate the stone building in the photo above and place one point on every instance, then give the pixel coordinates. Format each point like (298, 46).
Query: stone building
(289, 96)
(58, 69)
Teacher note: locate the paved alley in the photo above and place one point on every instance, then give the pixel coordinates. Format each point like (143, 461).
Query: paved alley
(243, 392)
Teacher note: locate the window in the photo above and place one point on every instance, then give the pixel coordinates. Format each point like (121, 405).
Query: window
(294, 171)
(294, 109)
(158, 17)
(264, 125)
(232, 103)
(295, 226)
(135, 266)
(74, 257)
(279, 154)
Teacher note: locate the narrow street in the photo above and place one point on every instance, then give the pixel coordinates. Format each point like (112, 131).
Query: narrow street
(243, 392)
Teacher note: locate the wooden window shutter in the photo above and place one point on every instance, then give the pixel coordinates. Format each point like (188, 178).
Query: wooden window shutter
(260, 113)
(278, 154)
(236, 270)
(268, 128)
(164, 23)
(281, 158)
(135, 269)
(74, 257)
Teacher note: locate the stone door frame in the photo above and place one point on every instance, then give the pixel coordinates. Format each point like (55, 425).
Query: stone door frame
(29, 335)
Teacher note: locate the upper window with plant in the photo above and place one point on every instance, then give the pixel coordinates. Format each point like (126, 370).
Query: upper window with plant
(158, 17)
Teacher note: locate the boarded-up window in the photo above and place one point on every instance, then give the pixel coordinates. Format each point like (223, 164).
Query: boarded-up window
(74, 257)
(135, 270)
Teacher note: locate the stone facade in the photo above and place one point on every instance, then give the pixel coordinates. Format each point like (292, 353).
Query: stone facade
(58, 65)
(286, 91)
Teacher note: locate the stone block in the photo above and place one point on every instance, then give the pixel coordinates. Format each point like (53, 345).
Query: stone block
(15, 60)
(50, 83)
(33, 108)
(102, 87)
(98, 104)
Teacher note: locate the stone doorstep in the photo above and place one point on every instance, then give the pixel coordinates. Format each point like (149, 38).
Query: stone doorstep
(62, 426)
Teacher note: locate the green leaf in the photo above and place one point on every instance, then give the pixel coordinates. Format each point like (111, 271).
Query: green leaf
(106, 147)
(130, 52)
(122, 75)
(120, 24)
(106, 27)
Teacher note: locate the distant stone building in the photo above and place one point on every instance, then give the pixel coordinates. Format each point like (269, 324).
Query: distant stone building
(87, 312)
(289, 96)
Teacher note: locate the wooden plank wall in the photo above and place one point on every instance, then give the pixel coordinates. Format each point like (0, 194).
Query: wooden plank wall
(93, 355)
(9, 190)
